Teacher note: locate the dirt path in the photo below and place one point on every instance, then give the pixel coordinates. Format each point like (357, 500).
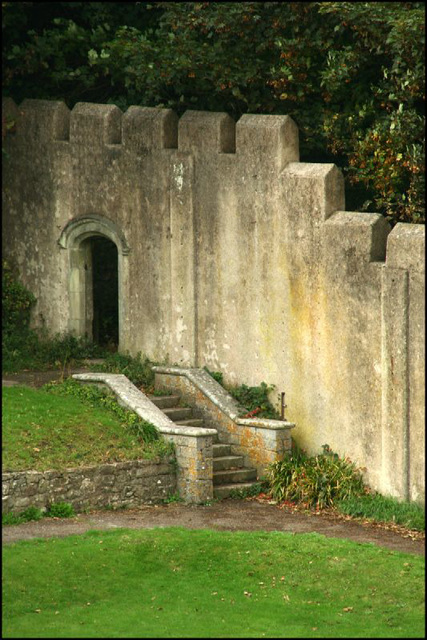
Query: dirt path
(227, 515)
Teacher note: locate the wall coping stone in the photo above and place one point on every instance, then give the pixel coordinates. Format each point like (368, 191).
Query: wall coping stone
(132, 398)
(221, 398)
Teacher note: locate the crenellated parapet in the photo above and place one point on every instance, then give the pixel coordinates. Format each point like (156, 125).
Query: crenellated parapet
(272, 138)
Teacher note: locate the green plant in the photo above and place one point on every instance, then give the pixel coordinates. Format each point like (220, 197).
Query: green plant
(174, 497)
(315, 481)
(32, 513)
(384, 509)
(60, 510)
(216, 375)
(249, 492)
(17, 302)
(254, 401)
(138, 369)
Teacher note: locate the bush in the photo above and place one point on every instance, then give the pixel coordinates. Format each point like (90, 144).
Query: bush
(25, 348)
(60, 510)
(316, 481)
(138, 369)
(32, 513)
(17, 302)
(253, 400)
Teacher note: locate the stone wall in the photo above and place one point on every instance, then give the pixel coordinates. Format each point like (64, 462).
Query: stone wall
(232, 254)
(117, 484)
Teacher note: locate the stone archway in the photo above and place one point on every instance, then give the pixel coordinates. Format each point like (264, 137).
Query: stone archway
(76, 238)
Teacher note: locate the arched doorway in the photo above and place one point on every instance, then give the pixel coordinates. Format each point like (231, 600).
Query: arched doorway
(105, 323)
(97, 273)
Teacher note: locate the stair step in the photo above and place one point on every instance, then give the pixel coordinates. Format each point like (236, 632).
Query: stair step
(227, 462)
(223, 490)
(221, 449)
(191, 422)
(229, 476)
(178, 413)
(164, 402)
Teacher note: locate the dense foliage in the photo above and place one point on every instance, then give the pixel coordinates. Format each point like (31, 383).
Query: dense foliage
(25, 348)
(17, 302)
(351, 74)
(315, 481)
(254, 401)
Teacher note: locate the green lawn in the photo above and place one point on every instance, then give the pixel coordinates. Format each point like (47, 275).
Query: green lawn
(44, 431)
(164, 583)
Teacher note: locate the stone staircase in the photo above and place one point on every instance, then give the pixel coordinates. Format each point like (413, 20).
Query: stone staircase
(229, 472)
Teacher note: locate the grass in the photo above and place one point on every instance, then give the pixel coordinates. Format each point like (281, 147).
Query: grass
(43, 431)
(385, 509)
(164, 583)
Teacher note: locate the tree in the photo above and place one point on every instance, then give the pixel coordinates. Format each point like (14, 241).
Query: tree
(351, 74)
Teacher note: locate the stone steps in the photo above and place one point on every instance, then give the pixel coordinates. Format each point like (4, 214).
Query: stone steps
(222, 491)
(229, 472)
(163, 402)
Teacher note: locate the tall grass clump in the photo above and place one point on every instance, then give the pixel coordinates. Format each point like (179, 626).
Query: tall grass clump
(384, 509)
(315, 481)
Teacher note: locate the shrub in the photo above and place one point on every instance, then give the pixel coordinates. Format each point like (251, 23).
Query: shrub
(138, 369)
(351, 74)
(32, 513)
(216, 375)
(318, 481)
(253, 400)
(17, 302)
(60, 510)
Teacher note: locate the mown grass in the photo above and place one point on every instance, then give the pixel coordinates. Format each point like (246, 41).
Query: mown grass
(164, 583)
(44, 431)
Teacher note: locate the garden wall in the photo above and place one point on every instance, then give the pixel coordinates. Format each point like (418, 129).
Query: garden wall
(116, 485)
(232, 254)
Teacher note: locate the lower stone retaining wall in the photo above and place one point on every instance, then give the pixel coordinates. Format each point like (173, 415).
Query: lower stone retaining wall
(117, 484)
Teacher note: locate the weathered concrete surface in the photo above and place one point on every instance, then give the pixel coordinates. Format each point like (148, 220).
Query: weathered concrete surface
(232, 254)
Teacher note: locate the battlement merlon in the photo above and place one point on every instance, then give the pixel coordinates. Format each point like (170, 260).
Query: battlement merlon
(406, 247)
(312, 192)
(39, 119)
(270, 137)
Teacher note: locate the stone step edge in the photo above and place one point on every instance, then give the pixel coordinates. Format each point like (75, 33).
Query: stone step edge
(132, 398)
(221, 398)
(227, 488)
